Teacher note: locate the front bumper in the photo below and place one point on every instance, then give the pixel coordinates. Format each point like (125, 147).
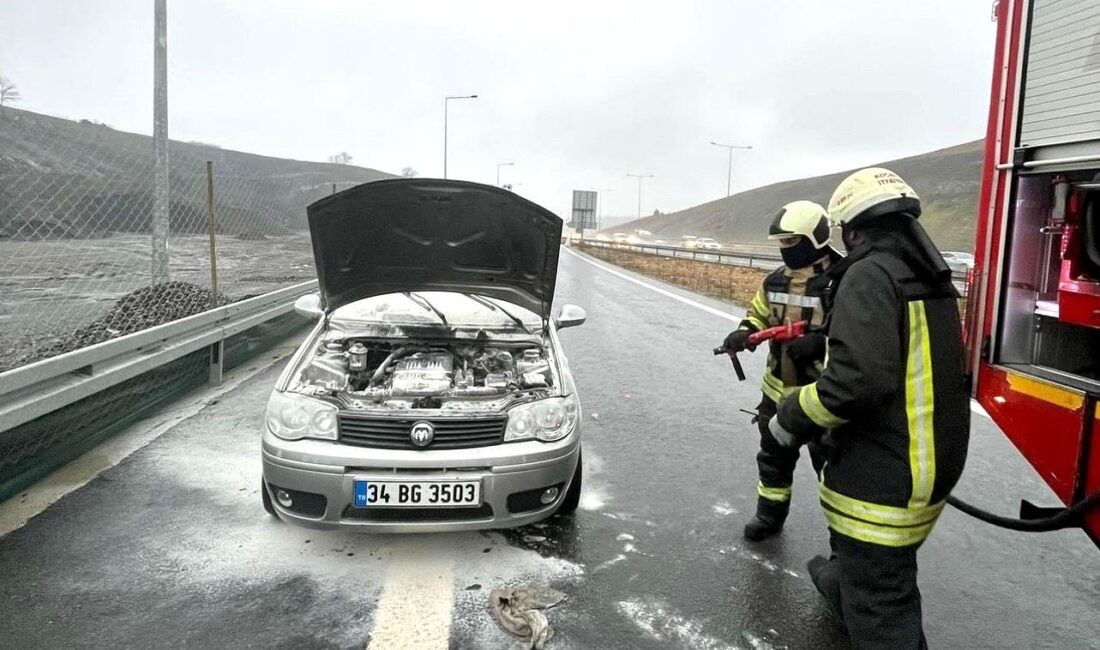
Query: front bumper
(327, 471)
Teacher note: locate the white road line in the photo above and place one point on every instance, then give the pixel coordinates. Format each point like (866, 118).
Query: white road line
(19, 509)
(414, 611)
(663, 292)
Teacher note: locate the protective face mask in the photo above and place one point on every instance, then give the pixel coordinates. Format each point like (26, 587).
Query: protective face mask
(801, 254)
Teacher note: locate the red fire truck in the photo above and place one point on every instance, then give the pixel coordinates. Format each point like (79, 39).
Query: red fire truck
(1033, 316)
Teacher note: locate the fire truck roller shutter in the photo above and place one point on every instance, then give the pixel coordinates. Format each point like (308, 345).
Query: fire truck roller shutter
(1061, 95)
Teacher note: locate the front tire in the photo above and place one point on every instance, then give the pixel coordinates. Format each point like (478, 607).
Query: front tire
(573, 496)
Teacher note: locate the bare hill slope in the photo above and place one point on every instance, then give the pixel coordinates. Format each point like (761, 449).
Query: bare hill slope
(947, 181)
(65, 179)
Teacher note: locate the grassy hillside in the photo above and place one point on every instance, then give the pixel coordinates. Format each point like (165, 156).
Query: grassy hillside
(66, 179)
(946, 180)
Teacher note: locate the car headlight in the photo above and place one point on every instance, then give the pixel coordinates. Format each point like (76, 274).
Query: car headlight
(547, 419)
(293, 417)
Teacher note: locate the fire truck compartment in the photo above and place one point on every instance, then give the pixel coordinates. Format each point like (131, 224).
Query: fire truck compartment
(1050, 323)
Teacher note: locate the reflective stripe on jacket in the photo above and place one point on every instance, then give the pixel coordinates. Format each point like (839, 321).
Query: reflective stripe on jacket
(794, 295)
(893, 393)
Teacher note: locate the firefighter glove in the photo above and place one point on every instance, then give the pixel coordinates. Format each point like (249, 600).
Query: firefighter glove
(738, 340)
(807, 349)
(782, 436)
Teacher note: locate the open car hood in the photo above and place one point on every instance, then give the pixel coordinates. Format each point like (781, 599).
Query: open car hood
(413, 234)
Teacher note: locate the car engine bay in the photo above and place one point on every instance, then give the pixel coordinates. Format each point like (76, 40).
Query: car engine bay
(362, 373)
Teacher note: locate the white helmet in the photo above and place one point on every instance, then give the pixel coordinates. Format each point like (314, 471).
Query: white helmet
(870, 193)
(804, 218)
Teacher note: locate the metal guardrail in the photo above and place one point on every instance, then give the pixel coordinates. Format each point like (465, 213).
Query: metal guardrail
(763, 260)
(30, 391)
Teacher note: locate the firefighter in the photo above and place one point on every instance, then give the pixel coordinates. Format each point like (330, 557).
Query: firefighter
(792, 292)
(893, 395)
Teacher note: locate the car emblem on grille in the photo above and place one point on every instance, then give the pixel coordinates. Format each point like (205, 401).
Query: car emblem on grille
(422, 434)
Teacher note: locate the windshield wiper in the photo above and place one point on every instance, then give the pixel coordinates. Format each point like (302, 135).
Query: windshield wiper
(423, 302)
(492, 305)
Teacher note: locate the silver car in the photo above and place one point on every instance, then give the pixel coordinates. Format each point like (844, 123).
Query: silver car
(433, 393)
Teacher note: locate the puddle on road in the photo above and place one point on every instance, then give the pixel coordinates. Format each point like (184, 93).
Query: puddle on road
(555, 537)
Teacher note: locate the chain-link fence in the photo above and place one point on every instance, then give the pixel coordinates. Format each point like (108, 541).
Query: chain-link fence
(105, 233)
(76, 220)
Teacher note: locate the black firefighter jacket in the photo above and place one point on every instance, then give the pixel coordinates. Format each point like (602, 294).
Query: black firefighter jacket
(893, 393)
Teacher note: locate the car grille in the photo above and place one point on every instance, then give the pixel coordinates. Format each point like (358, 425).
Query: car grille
(485, 511)
(393, 432)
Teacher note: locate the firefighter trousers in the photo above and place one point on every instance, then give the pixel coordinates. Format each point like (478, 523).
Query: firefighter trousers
(776, 464)
(874, 590)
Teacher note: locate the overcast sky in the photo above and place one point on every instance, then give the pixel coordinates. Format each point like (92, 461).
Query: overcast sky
(577, 94)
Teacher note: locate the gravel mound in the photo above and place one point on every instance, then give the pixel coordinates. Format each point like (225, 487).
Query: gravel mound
(136, 311)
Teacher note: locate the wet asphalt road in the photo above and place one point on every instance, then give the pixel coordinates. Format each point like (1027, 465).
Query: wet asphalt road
(171, 547)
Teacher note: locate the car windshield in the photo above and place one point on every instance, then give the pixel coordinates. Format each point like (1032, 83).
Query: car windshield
(416, 309)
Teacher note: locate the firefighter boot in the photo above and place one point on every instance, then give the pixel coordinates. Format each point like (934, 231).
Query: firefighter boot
(768, 520)
(825, 574)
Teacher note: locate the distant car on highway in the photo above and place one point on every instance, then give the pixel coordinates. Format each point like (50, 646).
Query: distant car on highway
(688, 241)
(620, 238)
(958, 262)
(433, 393)
(706, 243)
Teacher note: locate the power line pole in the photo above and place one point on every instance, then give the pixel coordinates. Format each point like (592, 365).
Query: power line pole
(640, 177)
(729, 169)
(160, 142)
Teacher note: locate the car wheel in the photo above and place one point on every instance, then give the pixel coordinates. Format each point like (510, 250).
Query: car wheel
(267, 500)
(573, 496)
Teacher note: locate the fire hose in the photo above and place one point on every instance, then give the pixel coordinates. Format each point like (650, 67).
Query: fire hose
(1068, 517)
(1032, 519)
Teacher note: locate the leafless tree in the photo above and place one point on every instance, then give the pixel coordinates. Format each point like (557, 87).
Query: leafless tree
(342, 158)
(8, 92)
(409, 172)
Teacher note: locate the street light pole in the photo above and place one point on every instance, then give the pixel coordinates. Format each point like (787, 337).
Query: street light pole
(160, 224)
(640, 177)
(499, 165)
(729, 169)
(445, 105)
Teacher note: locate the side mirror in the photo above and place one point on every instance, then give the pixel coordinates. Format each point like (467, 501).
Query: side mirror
(570, 316)
(309, 306)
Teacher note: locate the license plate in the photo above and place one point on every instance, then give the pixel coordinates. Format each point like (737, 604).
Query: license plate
(416, 494)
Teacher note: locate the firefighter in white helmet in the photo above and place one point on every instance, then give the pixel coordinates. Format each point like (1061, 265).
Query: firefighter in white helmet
(792, 292)
(893, 397)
